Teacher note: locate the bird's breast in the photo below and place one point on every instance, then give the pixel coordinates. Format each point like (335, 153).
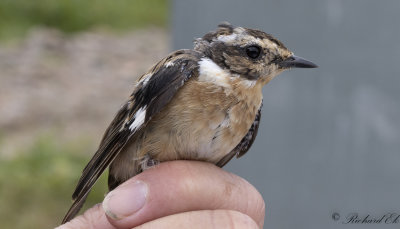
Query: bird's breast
(202, 122)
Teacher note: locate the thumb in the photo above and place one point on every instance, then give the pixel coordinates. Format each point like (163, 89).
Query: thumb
(181, 186)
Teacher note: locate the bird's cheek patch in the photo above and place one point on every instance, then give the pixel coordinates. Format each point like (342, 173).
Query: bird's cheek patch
(237, 64)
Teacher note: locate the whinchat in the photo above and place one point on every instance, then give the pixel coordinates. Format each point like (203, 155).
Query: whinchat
(201, 104)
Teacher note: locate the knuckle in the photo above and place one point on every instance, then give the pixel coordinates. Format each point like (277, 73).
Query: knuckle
(237, 220)
(90, 217)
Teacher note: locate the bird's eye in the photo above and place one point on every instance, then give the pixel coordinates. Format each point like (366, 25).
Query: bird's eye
(253, 51)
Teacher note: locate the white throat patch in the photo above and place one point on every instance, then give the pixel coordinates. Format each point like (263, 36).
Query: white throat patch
(211, 72)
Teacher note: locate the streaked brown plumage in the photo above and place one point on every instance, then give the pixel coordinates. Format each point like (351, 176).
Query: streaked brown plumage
(202, 104)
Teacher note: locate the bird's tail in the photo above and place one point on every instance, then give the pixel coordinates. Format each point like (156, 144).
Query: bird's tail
(75, 208)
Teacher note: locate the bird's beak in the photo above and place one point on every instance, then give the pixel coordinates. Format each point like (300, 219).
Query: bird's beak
(296, 62)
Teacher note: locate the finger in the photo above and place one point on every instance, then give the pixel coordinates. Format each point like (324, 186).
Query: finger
(203, 219)
(181, 186)
(92, 218)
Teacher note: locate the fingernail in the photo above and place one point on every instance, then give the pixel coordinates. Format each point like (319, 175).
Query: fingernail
(125, 200)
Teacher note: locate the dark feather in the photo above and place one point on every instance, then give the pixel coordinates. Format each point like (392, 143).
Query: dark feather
(245, 143)
(153, 95)
(165, 82)
(112, 181)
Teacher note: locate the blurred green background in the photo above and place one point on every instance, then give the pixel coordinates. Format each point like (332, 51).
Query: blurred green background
(18, 16)
(36, 185)
(38, 175)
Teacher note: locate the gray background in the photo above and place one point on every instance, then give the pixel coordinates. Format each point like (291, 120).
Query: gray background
(329, 137)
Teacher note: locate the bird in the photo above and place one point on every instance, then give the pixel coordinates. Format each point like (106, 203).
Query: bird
(195, 104)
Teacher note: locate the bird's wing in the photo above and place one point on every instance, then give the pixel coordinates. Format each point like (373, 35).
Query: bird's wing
(153, 91)
(246, 142)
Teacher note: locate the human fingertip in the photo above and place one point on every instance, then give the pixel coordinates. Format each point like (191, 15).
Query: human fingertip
(125, 200)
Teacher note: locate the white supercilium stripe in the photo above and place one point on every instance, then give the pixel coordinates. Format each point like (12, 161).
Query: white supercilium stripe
(139, 119)
(227, 38)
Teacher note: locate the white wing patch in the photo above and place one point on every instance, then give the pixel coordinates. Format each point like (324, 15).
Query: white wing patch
(145, 79)
(139, 119)
(211, 72)
(169, 64)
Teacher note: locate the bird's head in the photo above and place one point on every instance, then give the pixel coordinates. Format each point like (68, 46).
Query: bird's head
(249, 53)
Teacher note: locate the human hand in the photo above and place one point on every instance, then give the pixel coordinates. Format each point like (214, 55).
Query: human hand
(178, 194)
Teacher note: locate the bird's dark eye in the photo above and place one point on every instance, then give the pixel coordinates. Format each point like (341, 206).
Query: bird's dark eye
(253, 51)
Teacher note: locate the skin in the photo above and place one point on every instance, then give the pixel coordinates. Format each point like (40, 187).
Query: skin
(188, 203)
